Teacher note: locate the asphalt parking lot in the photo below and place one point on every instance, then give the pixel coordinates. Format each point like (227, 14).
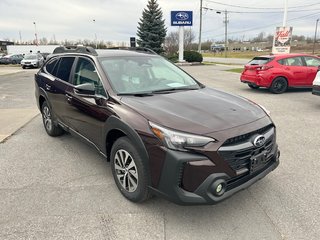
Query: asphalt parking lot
(60, 188)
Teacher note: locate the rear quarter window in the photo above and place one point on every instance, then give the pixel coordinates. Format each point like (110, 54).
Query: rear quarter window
(260, 60)
(51, 66)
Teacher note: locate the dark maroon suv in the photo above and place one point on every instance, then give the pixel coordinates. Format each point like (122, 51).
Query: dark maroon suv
(163, 132)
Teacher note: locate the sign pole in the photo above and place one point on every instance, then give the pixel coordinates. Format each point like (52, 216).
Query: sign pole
(181, 40)
(181, 19)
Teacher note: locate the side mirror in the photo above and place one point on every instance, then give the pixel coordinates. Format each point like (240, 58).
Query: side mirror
(85, 90)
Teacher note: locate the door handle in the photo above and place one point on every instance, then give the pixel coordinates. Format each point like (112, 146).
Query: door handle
(69, 98)
(48, 87)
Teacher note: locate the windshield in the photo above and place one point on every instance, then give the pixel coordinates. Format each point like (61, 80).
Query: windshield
(260, 60)
(145, 74)
(30, 57)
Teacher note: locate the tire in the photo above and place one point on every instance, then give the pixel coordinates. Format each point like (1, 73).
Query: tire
(279, 85)
(253, 86)
(130, 171)
(51, 128)
(14, 62)
(24, 67)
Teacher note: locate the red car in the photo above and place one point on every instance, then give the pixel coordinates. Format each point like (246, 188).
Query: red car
(278, 72)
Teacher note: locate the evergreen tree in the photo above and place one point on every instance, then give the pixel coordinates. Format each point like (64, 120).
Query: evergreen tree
(151, 28)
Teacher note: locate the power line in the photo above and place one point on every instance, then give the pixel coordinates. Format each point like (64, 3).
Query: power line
(238, 6)
(219, 10)
(269, 25)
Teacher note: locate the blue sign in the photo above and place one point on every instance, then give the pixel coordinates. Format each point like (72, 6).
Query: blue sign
(181, 18)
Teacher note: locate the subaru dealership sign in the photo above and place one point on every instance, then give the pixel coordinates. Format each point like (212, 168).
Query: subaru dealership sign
(181, 18)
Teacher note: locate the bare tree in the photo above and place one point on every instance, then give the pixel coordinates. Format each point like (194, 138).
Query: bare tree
(172, 41)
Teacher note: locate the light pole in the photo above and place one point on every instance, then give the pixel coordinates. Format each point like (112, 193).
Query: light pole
(200, 28)
(95, 35)
(315, 36)
(35, 32)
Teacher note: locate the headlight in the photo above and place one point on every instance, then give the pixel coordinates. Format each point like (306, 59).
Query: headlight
(179, 140)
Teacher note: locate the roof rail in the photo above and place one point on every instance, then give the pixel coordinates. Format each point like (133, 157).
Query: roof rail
(75, 49)
(138, 49)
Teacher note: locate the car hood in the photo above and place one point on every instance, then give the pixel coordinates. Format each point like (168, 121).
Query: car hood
(196, 111)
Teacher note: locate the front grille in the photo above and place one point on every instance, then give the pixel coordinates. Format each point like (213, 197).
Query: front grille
(238, 156)
(247, 136)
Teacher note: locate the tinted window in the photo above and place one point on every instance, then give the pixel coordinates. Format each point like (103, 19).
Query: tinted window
(51, 67)
(294, 61)
(64, 69)
(260, 60)
(86, 73)
(312, 62)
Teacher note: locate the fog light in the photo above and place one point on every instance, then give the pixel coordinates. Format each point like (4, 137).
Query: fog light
(219, 188)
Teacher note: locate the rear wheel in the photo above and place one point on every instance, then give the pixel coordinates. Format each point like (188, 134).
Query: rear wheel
(253, 86)
(51, 128)
(14, 62)
(279, 85)
(130, 171)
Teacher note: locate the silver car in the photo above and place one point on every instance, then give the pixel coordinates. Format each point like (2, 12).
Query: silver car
(32, 60)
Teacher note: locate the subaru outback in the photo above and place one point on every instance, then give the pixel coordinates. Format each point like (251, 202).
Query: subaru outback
(163, 132)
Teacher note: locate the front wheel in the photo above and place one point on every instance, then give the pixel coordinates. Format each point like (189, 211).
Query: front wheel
(130, 171)
(279, 85)
(51, 128)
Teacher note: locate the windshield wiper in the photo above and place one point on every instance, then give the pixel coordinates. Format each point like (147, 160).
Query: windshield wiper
(151, 93)
(174, 89)
(137, 94)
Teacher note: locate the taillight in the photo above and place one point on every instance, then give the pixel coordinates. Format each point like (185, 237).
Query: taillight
(264, 67)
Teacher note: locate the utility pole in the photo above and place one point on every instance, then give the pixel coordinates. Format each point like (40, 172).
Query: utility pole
(315, 36)
(285, 13)
(226, 21)
(200, 28)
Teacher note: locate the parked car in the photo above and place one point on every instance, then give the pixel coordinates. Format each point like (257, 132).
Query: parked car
(45, 55)
(163, 132)
(278, 72)
(316, 84)
(32, 60)
(11, 59)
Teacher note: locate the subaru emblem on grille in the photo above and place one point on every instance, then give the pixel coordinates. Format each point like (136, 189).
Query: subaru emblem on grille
(259, 141)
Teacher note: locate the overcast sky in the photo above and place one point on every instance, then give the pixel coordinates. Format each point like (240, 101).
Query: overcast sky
(116, 20)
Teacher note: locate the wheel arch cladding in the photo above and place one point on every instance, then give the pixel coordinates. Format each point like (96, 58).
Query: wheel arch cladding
(116, 128)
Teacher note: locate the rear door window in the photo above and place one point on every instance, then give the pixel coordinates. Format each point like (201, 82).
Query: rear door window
(260, 60)
(64, 69)
(293, 61)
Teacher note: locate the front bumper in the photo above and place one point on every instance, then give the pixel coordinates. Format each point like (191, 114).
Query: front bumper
(29, 64)
(193, 178)
(170, 183)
